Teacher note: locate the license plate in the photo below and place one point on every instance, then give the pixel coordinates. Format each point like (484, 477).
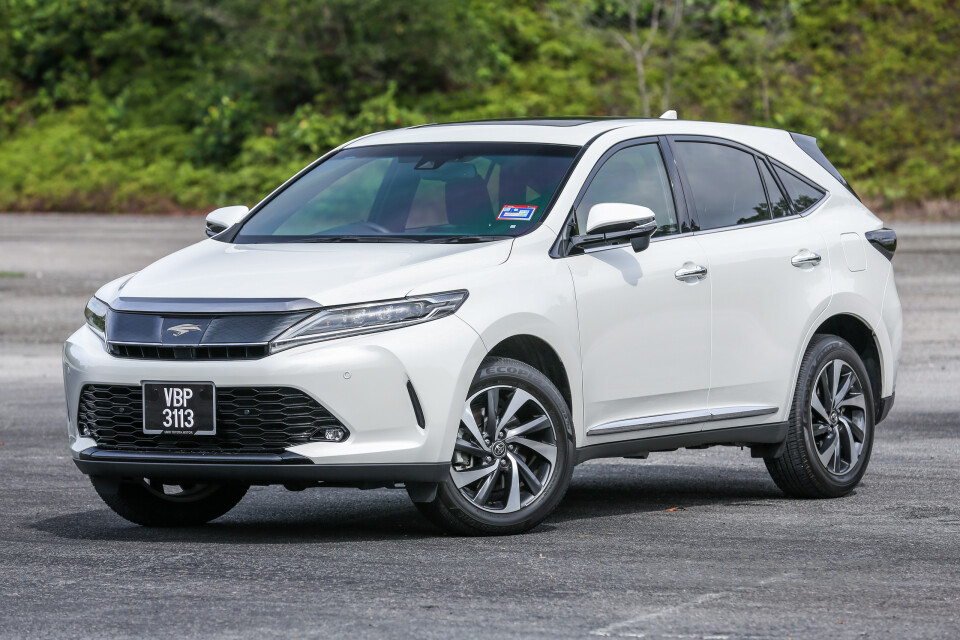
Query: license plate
(179, 408)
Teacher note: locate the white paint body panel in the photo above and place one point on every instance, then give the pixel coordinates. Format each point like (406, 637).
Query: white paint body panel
(645, 336)
(762, 307)
(634, 341)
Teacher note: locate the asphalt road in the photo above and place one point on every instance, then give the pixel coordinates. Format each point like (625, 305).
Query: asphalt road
(691, 544)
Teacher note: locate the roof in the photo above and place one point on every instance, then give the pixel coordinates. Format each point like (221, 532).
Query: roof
(573, 131)
(570, 131)
(776, 143)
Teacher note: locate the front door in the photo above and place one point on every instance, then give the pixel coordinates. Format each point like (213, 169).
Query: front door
(644, 325)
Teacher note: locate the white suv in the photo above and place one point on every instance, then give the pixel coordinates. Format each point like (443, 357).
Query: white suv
(470, 310)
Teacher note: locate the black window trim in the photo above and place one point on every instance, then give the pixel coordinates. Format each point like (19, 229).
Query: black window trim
(768, 163)
(559, 249)
(763, 185)
(758, 156)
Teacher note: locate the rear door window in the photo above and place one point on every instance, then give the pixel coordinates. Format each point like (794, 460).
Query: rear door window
(725, 184)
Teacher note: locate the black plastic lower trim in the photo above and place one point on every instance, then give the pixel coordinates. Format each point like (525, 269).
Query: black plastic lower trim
(749, 436)
(415, 401)
(94, 453)
(252, 468)
(885, 405)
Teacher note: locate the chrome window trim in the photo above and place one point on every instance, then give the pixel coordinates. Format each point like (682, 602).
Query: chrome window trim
(759, 223)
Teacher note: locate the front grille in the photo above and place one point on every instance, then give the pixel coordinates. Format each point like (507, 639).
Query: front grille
(213, 337)
(249, 420)
(203, 352)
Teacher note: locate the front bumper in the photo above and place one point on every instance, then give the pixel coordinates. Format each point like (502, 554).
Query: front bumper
(286, 468)
(362, 381)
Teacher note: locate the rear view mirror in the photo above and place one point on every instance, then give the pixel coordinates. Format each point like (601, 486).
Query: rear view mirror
(223, 218)
(614, 223)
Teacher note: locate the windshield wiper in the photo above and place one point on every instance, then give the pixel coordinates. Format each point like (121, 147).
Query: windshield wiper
(465, 239)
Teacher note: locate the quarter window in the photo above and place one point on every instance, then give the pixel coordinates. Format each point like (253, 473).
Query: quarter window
(634, 175)
(802, 194)
(725, 182)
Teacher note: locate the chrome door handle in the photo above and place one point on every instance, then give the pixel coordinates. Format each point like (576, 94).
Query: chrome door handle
(804, 258)
(692, 271)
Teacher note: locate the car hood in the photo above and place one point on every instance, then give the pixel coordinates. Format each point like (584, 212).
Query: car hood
(328, 274)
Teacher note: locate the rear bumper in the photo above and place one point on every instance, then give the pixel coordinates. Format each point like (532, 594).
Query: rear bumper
(285, 468)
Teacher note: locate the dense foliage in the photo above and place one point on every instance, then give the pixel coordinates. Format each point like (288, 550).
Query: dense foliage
(163, 105)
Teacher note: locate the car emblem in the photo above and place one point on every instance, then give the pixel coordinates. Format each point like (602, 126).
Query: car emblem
(499, 448)
(181, 329)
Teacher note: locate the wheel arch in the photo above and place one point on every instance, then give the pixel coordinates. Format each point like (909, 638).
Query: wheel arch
(539, 354)
(863, 339)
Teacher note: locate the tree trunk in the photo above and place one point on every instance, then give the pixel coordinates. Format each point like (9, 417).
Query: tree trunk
(675, 20)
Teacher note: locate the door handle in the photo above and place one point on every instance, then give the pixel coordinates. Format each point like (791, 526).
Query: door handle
(804, 258)
(690, 270)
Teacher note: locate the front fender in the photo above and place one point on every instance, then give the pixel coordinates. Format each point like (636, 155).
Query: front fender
(538, 302)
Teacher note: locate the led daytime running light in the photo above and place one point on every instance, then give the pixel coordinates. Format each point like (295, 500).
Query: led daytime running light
(339, 322)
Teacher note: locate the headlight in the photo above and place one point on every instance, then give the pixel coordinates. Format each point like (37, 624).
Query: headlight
(339, 322)
(96, 313)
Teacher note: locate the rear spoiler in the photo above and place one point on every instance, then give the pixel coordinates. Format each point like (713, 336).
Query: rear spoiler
(809, 146)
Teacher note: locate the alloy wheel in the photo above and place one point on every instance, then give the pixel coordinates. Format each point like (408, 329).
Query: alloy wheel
(506, 449)
(837, 417)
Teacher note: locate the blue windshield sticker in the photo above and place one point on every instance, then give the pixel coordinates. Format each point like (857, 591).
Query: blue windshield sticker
(517, 212)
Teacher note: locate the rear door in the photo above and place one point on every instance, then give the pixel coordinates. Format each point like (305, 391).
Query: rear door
(768, 273)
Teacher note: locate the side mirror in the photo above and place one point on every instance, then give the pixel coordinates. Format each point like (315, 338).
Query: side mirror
(223, 218)
(613, 223)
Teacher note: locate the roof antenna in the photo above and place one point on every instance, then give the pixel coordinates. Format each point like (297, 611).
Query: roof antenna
(669, 115)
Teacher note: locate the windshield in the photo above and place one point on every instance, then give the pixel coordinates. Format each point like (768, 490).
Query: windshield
(437, 192)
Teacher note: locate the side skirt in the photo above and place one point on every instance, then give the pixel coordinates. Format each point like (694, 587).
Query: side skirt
(764, 440)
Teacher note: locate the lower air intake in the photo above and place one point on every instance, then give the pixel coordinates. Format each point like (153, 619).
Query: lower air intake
(249, 420)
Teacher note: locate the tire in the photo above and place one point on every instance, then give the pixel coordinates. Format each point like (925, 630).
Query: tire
(831, 424)
(152, 504)
(515, 483)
